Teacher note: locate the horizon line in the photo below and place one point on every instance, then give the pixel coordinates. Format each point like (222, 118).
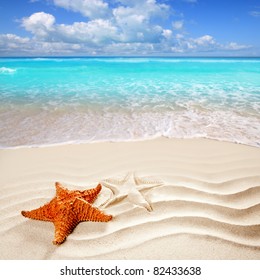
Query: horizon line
(126, 56)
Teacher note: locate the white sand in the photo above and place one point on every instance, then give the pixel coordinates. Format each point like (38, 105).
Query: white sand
(205, 199)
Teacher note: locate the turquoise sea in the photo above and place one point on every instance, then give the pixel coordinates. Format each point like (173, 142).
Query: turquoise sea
(45, 101)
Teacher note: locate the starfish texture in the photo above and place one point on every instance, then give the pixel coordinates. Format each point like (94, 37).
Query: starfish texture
(67, 209)
(130, 187)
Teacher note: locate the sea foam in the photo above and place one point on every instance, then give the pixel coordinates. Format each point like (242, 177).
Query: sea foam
(76, 100)
(6, 70)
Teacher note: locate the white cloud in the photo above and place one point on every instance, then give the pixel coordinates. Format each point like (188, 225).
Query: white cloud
(98, 31)
(10, 43)
(144, 9)
(205, 40)
(190, 1)
(131, 3)
(167, 33)
(54, 48)
(126, 21)
(135, 25)
(128, 18)
(40, 24)
(177, 25)
(12, 38)
(254, 13)
(129, 49)
(203, 44)
(235, 46)
(135, 20)
(13, 44)
(140, 3)
(179, 36)
(93, 9)
(132, 27)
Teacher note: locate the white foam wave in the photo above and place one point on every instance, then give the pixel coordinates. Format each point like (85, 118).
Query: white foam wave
(48, 59)
(121, 127)
(207, 60)
(174, 60)
(6, 70)
(121, 60)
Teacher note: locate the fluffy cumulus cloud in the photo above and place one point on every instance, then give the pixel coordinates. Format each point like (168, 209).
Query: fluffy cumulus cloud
(13, 42)
(95, 32)
(128, 27)
(167, 33)
(205, 40)
(15, 45)
(90, 8)
(130, 21)
(40, 24)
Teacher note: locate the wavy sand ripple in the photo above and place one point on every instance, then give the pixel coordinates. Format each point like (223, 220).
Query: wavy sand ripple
(206, 204)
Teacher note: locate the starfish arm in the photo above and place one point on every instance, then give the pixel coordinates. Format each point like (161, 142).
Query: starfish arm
(42, 213)
(111, 186)
(63, 227)
(113, 200)
(91, 195)
(86, 212)
(136, 198)
(60, 190)
(130, 187)
(146, 183)
(148, 187)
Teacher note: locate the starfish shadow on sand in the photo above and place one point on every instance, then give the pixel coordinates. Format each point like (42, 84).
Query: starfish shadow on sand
(130, 187)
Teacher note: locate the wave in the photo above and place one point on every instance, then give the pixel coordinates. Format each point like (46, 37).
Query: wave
(6, 70)
(208, 60)
(54, 126)
(153, 59)
(124, 108)
(118, 140)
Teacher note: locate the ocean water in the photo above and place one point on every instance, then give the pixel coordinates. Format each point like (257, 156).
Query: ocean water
(45, 101)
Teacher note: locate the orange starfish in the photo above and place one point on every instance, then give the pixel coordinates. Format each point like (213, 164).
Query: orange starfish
(67, 209)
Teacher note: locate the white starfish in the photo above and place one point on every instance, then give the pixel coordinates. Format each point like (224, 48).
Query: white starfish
(129, 187)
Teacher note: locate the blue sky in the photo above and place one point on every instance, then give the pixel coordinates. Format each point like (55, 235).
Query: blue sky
(130, 27)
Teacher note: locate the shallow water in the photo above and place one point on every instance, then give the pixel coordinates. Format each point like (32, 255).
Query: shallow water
(55, 100)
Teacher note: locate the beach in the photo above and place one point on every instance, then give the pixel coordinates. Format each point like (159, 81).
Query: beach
(130, 139)
(173, 142)
(49, 101)
(203, 198)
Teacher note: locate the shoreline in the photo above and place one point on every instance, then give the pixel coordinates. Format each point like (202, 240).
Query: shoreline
(201, 192)
(125, 141)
